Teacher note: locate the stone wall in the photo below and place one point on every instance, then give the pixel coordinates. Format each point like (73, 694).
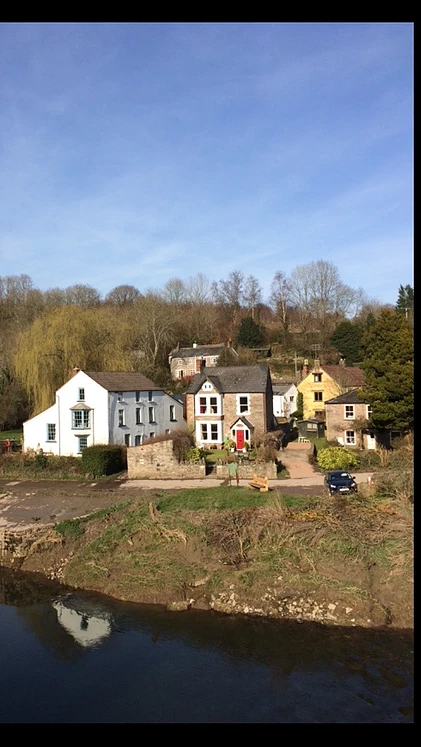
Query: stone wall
(247, 471)
(257, 415)
(157, 461)
(336, 424)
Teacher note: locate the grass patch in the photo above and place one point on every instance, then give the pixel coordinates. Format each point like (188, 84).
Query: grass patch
(212, 499)
(213, 455)
(319, 443)
(72, 529)
(16, 434)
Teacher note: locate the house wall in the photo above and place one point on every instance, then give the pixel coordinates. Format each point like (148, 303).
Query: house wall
(157, 460)
(337, 425)
(35, 431)
(308, 386)
(161, 402)
(282, 406)
(189, 365)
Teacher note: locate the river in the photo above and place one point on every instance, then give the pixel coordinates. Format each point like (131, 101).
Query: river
(70, 657)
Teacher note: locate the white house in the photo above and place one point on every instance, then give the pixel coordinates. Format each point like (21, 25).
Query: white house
(96, 407)
(284, 399)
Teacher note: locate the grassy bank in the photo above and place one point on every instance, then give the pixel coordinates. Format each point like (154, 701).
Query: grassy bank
(237, 550)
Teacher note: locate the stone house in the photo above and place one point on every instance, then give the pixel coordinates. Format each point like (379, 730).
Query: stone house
(99, 407)
(323, 383)
(232, 402)
(186, 362)
(348, 421)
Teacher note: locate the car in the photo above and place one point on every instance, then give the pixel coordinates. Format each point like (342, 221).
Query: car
(340, 482)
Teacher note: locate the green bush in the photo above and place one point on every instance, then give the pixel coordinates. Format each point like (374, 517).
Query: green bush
(336, 457)
(194, 454)
(104, 459)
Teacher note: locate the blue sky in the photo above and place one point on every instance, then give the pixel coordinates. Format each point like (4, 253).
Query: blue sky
(134, 153)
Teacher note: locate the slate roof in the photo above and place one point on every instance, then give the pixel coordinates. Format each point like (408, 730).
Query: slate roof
(123, 381)
(281, 388)
(348, 376)
(247, 379)
(200, 351)
(246, 422)
(348, 398)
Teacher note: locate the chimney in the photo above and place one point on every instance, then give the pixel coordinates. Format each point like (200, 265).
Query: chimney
(195, 344)
(202, 365)
(304, 370)
(342, 362)
(316, 364)
(75, 371)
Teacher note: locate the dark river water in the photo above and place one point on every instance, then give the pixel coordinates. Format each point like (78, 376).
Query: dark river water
(82, 658)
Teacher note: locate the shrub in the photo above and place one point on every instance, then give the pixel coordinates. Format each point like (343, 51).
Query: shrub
(194, 454)
(336, 458)
(182, 442)
(104, 459)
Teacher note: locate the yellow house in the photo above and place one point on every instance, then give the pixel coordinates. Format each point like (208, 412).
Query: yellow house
(322, 383)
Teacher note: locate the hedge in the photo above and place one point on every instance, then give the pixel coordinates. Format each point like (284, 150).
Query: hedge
(104, 459)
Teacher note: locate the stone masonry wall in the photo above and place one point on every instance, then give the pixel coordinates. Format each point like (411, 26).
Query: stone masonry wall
(157, 461)
(257, 415)
(336, 425)
(247, 471)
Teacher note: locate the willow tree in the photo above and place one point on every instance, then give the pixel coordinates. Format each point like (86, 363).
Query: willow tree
(68, 337)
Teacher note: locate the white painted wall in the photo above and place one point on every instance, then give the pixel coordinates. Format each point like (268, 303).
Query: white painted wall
(283, 406)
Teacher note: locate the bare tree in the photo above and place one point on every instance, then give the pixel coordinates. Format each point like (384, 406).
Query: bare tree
(301, 298)
(152, 322)
(122, 295)
(84, 296)
(252, 294)
(175, 292)
(198, 289)
(280, 300)
(229, 293)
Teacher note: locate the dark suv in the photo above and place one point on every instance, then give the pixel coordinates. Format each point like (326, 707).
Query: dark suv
(340, 482)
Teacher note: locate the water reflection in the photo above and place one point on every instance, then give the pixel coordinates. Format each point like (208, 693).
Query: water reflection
(140, 663)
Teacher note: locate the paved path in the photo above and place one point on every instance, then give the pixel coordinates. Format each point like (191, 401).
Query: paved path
(314, 479)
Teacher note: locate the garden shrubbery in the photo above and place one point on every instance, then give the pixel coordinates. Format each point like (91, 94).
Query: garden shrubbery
(104, 459)
(336, 457)
(40, 464)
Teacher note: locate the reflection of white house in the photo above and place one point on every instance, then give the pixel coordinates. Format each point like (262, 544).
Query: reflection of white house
(284, 399)
(86, 629)
(97, 407)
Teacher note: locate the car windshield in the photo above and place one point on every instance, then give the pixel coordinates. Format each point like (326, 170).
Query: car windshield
(339, 476)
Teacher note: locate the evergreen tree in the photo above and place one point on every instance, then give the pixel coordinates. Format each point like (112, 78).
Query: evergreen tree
(405, 302)
(388, 364)
(347, 340)
(249, 333)
(299, 413)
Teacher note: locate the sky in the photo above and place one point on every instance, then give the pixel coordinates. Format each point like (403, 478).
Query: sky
(133, 153)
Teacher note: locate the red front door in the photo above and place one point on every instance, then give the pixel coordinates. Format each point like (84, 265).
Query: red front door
(239, 439)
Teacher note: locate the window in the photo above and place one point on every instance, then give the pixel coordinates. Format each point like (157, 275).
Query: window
(213, 405)
(192, 372)
(318, 396)
(80, 419)
(317, 377)
(121, 417)
(167, 430)
(150, 396)
(138, 415)
(204, 431)
(81, 397)
(137, 396)
(127, 439)
(291, 399)
(152, 434)
(350, 438)
(120, 396)
(138, 440)
(312, 426)
(172, 413)
(319, 414)
(213, 360)
(243, 403)
(151, 414)
(202, 405)
(83, 442)
(214, 432)
(369, 412)
(51, 432)
(349, 412)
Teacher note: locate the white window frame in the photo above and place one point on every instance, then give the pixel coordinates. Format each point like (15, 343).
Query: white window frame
(81, 394)
(138, 437)
(213, 360)
(350, 440)
(139, 416)
(212, 426)
(238, 400)
(349, 417)
(152, 409)
(173, 419)
(127, 436)
(85, 420)
(79, 439)
(369, 411)
(121, 418)
(317, 377)
(207, 398)
(53, 439)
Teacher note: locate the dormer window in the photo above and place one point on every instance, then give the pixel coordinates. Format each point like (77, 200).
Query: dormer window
(81, 397)
(317, 377)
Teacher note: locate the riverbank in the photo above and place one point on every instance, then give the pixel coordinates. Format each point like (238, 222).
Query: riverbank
(344, 561)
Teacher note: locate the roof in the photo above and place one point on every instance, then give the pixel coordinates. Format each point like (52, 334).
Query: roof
(247, 379)
(347, 398)
(281, 388)
(200, 351)
(123, 381)
(348, 376)
(243, 420)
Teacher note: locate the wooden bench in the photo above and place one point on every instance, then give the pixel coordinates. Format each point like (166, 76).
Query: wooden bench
(303, 440)
(260, 483)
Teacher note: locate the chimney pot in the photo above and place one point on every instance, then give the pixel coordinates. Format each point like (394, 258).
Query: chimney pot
(195, 344)
(75, 371)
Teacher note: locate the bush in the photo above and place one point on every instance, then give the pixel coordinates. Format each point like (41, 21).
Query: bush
(104, 459)
(182, 442)
(336, 458)
(194, 454)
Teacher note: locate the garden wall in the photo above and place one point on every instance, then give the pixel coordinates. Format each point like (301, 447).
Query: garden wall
(247, 471)
(157, 461)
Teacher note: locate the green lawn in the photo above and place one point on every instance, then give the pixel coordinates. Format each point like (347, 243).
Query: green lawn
(319, 443)
(16, 434)
(209, 499)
